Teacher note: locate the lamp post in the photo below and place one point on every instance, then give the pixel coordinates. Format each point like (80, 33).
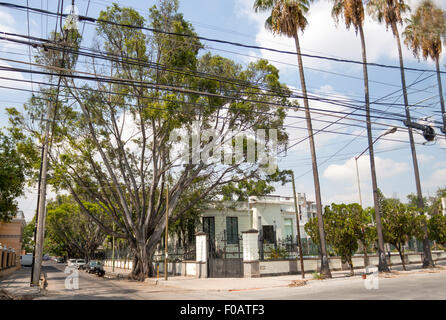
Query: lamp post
(390, 131)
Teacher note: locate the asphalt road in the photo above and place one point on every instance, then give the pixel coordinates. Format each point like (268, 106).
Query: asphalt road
(426, 285)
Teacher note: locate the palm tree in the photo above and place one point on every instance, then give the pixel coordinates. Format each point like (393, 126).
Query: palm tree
(288, 18)
(353, 14)
(423, 34)
(389, 12)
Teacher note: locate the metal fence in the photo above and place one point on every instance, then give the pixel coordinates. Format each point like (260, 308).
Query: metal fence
(176, 252)
(286, 249)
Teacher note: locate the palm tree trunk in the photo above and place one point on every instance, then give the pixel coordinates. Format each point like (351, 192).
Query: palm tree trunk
(382, 258)
(427, 261)
(440, 89)
(325, 268)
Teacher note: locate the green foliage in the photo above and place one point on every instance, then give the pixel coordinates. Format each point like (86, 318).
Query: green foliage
(400, 223)
(312, 229)
(345, 227)
(13, 170)
(93, 157)
(69, 232)
(278, 253)
(437, 228)
(28, 236)
(342, 229)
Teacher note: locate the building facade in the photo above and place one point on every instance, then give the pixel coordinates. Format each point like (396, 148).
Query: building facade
(273, 216)
(11, 234)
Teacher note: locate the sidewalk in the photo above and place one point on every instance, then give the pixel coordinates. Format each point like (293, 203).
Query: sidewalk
(242, 284)
(17, 286)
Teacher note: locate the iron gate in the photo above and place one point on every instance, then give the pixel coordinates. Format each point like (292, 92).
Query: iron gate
(225, 258)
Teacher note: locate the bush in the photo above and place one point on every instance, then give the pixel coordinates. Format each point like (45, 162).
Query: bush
(279, 253)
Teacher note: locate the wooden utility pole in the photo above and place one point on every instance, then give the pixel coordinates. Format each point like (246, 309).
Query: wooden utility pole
(299, 240)
(113, 249)
(41, 212)
(167, 234)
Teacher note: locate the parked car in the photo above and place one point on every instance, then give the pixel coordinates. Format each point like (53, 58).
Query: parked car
(95, 267)
(71, 262)
(45, 257)
(26, 260)
(80, 263)
(60, 260)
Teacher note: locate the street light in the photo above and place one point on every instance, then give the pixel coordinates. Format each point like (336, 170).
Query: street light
(390, 131)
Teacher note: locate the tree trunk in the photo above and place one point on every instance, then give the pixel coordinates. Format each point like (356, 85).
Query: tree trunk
(427, 261)
(401, 252)
(350, 263)
(325, 268)
(366, 256)
(382, 258)
(440, 89)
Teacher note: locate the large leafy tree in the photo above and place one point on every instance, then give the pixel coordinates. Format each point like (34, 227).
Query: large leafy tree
(346, 227)
(353, 14)
(287, 18)
(437, 228)
(113, 144)
(423, 35)
(342, 231)
(400, 224)
(71, 232)
(390, 12)
(14, 168)
(365, 231)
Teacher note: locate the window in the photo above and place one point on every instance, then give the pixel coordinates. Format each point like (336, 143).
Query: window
(268, 234)
(209, 227)
(232, 230)
(288, 226)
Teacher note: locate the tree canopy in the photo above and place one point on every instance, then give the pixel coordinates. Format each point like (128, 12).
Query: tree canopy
(131, 130)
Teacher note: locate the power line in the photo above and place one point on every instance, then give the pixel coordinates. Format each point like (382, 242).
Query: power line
(95, 20)
(195, 74)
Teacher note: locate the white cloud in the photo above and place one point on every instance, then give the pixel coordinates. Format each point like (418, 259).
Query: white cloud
(346, 172)
(436, 180)
(323, 37)
(425, 159)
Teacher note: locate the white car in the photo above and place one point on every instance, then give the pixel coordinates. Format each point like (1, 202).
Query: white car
(80, 263)
(72, 262)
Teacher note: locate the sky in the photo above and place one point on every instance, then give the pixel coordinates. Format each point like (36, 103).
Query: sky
(235, 20)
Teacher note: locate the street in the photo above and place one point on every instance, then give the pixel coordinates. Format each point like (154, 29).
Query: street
(425, 284)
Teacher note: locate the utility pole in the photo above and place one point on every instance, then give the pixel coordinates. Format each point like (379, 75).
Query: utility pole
(299, 240)
(167, 234)
(429, 135)
(41, 212)
(113, 249)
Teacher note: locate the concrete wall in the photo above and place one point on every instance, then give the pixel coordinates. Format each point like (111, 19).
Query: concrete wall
(281, 267)
(191, 268)
(119, 264)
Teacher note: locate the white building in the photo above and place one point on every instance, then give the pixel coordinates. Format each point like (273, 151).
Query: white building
(273, 216)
